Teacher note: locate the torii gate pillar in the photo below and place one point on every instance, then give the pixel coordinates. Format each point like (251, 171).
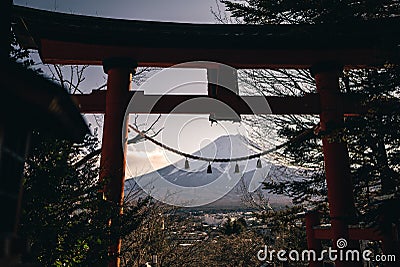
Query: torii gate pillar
(313, 219)
(113, 157)
(336, 158)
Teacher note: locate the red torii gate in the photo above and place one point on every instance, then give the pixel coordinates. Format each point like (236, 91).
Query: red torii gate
(119, 45)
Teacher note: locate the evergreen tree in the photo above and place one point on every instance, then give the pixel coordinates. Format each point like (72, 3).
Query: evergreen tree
(234, 227)
(61, 215)
(373, 139)
(314, 11)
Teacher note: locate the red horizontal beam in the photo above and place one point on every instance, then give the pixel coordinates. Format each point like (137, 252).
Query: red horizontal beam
(354, 234)
(76, 39)
(169, 104)
(72, 53)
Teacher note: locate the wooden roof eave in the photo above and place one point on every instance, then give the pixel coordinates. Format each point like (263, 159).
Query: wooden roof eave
(30, 100)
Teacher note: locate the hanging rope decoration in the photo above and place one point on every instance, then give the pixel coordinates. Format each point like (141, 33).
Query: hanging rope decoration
(308, 133)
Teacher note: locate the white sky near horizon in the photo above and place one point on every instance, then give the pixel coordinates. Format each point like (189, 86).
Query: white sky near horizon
(187, 133)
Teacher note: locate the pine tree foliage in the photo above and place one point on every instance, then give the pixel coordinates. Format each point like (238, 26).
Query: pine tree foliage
(373, 139)
(231, 227)
(314, 11)
(64, 216)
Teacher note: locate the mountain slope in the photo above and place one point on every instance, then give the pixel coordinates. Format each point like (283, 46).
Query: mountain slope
(222, 188)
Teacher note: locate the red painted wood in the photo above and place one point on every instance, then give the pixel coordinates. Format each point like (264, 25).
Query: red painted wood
(337, 169)
(113, 158)
(76, 39)
(313, 243)
(354, 234)
(71, 53)
(308, 104)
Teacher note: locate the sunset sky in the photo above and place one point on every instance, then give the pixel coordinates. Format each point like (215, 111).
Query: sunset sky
(187, 133)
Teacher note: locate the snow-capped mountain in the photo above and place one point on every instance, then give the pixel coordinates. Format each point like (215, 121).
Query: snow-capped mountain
(223, 187)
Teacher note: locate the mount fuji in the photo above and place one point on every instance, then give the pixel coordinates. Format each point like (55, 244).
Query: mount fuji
(223, 188)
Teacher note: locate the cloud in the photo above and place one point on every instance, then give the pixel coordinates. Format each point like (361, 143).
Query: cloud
(142, 162)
